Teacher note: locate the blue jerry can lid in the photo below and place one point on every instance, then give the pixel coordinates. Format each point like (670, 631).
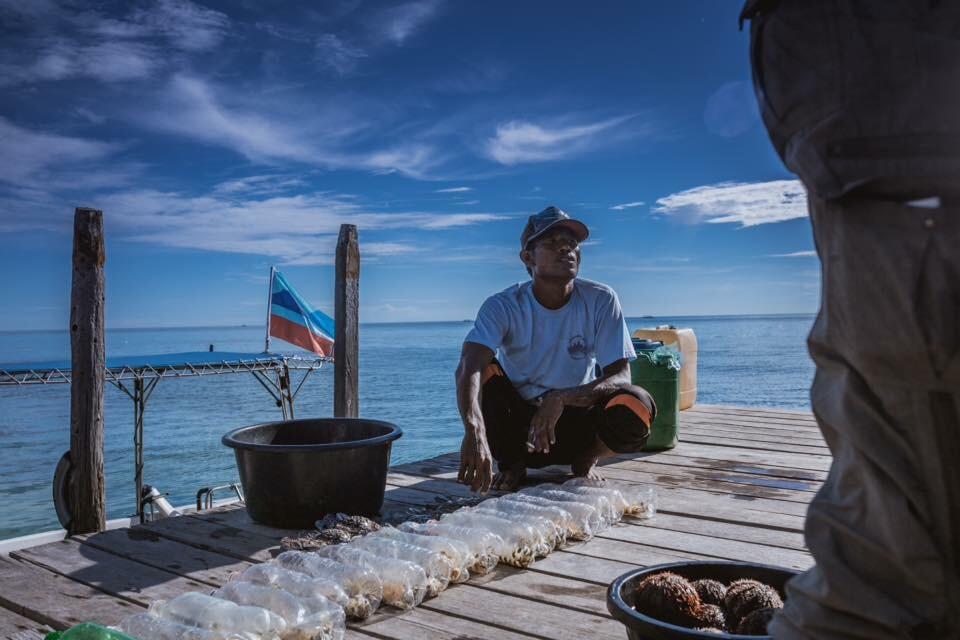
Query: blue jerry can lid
(646, 345)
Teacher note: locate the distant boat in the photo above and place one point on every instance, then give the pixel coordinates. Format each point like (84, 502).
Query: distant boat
(648, 316)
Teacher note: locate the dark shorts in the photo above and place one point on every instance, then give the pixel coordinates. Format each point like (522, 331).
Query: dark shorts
(621, 420)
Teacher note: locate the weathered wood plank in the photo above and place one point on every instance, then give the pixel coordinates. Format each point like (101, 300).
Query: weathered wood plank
(703, 544)
(421, 624)
(16, 627)
(767, 412)
(107, 572)
(725, 430)
(217, 537)
(346, 372)
(144, 545)
(524, 616)
(57, 600)
(86, 483)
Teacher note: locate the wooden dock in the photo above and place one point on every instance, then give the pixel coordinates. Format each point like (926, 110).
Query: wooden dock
(735, 488)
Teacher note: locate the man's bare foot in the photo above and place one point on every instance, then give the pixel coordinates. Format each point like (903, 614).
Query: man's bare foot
(586, 468)
(509, 478)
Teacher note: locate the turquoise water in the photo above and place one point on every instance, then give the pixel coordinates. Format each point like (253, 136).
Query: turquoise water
(406, 377)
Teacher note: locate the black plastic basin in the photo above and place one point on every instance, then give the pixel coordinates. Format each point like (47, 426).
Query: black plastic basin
(642, 627)
(295, 471)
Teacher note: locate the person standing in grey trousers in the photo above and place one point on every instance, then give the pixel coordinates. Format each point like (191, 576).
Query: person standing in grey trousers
(861, 99)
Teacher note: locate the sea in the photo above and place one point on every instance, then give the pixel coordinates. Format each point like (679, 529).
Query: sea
(406, 377)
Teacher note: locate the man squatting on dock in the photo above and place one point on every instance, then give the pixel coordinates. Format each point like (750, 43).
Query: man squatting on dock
(527, 384)
(861, 99)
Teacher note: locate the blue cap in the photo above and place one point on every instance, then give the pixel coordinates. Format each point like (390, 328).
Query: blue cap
(538, 224)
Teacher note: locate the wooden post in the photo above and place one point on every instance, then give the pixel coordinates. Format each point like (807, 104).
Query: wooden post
(87, 494)
(346, 345)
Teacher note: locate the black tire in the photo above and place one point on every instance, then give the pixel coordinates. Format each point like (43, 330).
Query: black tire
(61, 490)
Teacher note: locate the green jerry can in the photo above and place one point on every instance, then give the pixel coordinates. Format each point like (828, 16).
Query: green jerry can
(657, 369)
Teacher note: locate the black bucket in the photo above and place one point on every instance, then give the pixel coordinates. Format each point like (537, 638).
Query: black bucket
(642, 627)
(295, 471)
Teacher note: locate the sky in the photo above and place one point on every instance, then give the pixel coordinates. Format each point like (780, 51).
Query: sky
(219, 139)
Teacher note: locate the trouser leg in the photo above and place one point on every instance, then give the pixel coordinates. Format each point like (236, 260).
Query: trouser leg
(506, 417)
(884, 528)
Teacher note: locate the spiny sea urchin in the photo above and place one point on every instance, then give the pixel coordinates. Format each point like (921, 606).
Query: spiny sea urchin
(710, 591)
(668, 597)
(746, 596)
(755, 623)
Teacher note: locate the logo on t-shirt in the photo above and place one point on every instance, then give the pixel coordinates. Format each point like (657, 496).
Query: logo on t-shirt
(577, 347)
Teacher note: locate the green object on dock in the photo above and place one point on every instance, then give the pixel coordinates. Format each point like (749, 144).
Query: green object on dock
(657, 369)
(88, 631)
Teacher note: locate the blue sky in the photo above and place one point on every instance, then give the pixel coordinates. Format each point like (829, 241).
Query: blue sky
(221, 138)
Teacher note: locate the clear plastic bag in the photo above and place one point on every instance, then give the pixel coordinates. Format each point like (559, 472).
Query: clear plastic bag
(583, 519)
(304, 587)
(456, 553)
(522, 542)
(552, 534)
(323, 620)
(604, 508)
(207, 612)
(485, 546)
(404, 583)
(612, 502)
(633, 500)
(560, 517)
(363, 586)
(435, 565)
(146, 626)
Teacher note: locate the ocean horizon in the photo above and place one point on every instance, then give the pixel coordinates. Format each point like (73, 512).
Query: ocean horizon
(406, 377)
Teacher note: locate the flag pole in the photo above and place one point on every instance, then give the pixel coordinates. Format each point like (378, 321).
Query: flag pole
(266, 348)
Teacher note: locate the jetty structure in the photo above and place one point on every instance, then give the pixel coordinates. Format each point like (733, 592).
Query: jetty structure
(736, 487)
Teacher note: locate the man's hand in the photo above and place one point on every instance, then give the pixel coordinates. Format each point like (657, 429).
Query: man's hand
(476, 463)
(543, 426)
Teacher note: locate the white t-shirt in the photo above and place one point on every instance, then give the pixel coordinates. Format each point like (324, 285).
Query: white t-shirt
(542, 349)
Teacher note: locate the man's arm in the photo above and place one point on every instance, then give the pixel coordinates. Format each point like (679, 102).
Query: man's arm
(476, 462)
(543, 426)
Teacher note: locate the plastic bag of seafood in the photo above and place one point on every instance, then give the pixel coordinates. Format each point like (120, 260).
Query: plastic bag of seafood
(605, 507)
(633, 500)
(324, 620)
(553, 533)
(404, 583)
(558, 514)
(581, 520)
(146, 626)
(522, 543)
(214, 614)
(362, 586)
(301, 585)
(484, 546)
(434, 564)
(456, 553)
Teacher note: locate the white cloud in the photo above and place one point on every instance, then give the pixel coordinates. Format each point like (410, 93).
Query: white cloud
(746, 203)
(518, 141)
(260, 184)
(295, 229)
(795, 254)
(335, 54)
(62, 42)
(454, 190)
(469, 202)
(397, 24)
(25, 155)
(627, 205)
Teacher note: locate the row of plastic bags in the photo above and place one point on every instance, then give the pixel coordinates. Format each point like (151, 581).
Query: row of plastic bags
(309, 595)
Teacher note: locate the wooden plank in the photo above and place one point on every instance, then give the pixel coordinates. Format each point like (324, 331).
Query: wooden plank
(524, 616)
(773, 412)
(148, 547)
(217, 537)
(769, 417)
(109, 573)
(346, 349)
(679, 460)
(420, 624)
(807, 461)
(16, 627)
(707, 545)
(562, 591)
(726, 530)
(87, 497)
(719, 429)
(56, 600)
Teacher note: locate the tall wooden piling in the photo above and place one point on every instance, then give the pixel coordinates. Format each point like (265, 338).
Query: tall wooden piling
(87, 494)
(346, 346)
